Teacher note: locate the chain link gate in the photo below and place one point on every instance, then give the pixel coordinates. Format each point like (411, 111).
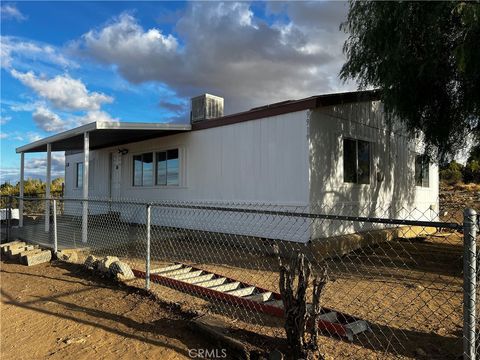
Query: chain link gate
(404, 273)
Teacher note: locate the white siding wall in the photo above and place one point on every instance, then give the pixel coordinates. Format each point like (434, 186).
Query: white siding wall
(259, 161)
(392, 156)
(288, 160)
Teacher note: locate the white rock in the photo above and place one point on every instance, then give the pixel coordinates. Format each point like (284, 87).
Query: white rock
(68, 256)
(104, 264)
(121, 271)
(91, 262)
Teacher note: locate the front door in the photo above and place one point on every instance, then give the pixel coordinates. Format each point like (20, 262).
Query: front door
(115, 176)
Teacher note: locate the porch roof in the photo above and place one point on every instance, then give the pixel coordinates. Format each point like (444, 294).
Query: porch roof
(103, 134)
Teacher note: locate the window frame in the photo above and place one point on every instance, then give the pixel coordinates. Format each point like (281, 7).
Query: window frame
(154, 168)
(356, 141)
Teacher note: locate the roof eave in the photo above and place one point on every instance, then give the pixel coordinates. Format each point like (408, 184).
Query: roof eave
(57, 137)
(110, 125)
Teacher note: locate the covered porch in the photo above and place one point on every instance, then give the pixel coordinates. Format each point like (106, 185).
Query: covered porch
(93, 136)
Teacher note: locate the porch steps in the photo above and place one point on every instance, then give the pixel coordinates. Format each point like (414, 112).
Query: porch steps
(204, 283)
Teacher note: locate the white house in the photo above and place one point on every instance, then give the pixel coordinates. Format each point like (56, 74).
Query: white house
(331, 153)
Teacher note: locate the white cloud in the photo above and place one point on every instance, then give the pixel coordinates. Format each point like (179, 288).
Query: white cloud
(126, 39)
(47, 120)
(225, 49)
(4, 119)
(40, 164)
(19, 136)
(28, 106)
(10, 11)
(33, 136)
(91, 116)
(63, 91)
(16, 50)
(35, 168)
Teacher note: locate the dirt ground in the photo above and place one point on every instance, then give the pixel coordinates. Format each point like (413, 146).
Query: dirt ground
(58, 311)
(409, 291)
(455, 198)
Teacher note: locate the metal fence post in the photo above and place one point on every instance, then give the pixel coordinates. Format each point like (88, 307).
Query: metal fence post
(9, 218)
(147, 262)
(55, 244)
(469, 282)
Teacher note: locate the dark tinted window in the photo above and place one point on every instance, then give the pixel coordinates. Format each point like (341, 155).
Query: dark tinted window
(363, 170)
(349, 161)
(422, 170)
(356, 161)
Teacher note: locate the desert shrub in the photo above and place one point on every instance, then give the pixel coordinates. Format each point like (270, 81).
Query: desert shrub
(34, 188)
(471, 172)
(452, 173)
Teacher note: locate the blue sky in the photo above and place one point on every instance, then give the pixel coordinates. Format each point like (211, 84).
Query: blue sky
(65, 64)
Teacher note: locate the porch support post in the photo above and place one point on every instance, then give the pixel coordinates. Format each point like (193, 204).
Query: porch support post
(86, 157)
(47, 188)
(22, 186)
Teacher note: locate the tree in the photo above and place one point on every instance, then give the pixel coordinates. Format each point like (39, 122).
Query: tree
(424, 57)
(474, 154)
(452, 172)
(297, 315)
(471, 173)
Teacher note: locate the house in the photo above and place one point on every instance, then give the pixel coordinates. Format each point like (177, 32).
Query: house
(331, 153)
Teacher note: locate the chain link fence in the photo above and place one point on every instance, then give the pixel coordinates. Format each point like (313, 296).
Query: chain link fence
(396, 284)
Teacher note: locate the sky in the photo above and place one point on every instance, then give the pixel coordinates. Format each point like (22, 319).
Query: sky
(65, 64)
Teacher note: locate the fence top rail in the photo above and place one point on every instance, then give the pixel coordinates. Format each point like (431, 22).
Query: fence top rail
(240, 208)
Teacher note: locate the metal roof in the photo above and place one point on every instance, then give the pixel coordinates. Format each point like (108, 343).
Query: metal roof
(284, 107)
(104, 134)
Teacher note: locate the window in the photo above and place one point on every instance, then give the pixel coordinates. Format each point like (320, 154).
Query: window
(165, 166)
(79, 172)
(79, 175)
(356, 161)
(422, 173)
(143, 170)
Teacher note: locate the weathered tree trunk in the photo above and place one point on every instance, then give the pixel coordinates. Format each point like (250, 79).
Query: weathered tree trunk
(298, 316)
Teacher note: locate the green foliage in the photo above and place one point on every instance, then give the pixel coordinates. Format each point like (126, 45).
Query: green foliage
(452, 173)
(32, 188)
(471, 174)
(424, 57)
(474, 154)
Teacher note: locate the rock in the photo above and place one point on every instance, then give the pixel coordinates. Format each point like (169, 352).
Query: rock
(29, 252)
(7, 246)
(14, 247)
(420, 352)
(68, 256)
(104, 264)
(14, 252)
(276, 355)
(91, 262)
(37, 258)
(121, 271)
(75, 340)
